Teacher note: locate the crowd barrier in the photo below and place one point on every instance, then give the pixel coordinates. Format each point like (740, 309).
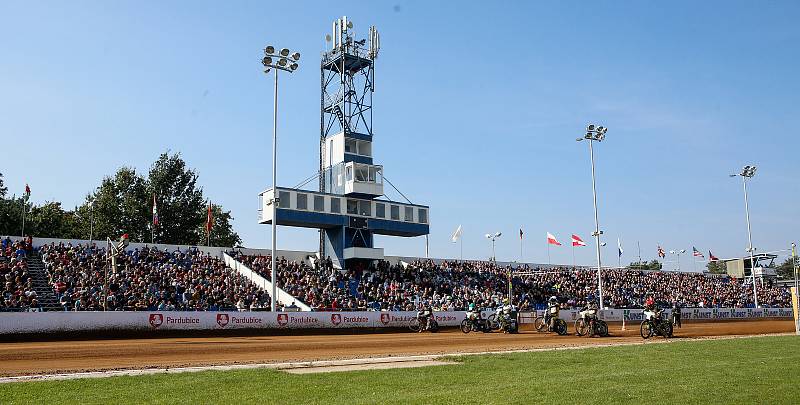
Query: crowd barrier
(55, 322)
(617, 315)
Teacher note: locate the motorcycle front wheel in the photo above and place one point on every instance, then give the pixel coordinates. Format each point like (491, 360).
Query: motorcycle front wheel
(580, 327)
(414, 325)
(540, 324)
(646, 329)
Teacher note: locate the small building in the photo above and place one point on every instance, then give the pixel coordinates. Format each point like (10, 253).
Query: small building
(763, 263)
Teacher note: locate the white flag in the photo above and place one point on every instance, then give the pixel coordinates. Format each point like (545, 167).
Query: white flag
(619, 248)
(456, 234)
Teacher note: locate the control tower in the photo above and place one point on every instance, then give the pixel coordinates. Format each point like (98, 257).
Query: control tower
(349, 207)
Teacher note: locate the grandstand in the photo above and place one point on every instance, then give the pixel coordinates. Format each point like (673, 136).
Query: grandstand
(72, 275)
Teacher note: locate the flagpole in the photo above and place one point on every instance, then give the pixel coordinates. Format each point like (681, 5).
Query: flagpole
(573, 254)
(461, 240)
(548, 254)
(24, 208)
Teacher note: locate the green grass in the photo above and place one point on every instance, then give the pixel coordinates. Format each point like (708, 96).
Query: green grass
(755, 370)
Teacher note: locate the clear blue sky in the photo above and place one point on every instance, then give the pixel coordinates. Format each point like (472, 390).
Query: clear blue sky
(476, 112)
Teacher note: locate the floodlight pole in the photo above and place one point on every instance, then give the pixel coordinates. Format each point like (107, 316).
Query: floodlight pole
(796, 290)
(272, 272)
(596, 226)
(750, 240)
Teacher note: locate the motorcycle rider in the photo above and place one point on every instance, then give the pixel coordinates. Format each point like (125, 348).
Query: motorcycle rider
(507, 314)
(424, 316)
(650, 305)
(553, 309)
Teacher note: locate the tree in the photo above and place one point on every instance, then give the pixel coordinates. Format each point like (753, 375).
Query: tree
(51, 220)
(786, 269)
(222, 233)
(11, 216)
(717, 267)
(3, 189)
(120, 206)
(652, 265)
(181, 206)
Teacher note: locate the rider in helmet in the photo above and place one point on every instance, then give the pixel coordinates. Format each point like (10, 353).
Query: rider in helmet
(424, 315)
(553, 309)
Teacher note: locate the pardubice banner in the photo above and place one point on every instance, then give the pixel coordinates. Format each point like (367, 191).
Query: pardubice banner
(617, 315)
(50, 322)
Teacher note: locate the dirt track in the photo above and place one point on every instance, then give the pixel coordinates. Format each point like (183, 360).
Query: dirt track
(90, 355)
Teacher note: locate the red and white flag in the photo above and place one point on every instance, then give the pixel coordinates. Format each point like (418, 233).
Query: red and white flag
(577, 241)
(209, 219)
(552, 239)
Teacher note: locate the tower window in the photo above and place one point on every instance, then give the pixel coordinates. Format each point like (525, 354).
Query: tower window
(336, 205)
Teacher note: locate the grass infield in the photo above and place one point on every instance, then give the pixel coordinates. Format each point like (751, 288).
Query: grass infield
(751, 370)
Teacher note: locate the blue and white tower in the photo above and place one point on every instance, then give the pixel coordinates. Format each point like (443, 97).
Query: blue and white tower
(348, 208)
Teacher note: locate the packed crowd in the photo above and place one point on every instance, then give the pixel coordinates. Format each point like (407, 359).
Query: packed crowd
(453, 285)
(18, 291)
(147, 279)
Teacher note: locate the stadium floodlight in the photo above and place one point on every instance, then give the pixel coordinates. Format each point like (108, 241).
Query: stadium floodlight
(747, 173)
(270, 64)
(493, 237)
(596, 133)
(678, 253)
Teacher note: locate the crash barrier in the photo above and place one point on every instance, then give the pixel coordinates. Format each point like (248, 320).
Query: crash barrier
(617, 315)
(55, 322)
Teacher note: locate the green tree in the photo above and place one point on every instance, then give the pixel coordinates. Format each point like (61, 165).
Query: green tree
(717, 267)
(181, 206)
(786, 269)
(50, 220)
(11, 216)
(644, 265)
(3, 189)
(222, 233)
(120, 206)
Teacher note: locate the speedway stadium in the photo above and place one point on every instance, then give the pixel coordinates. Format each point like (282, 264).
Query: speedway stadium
(125, 321)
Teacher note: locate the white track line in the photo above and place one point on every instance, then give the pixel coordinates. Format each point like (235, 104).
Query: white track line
(347, 362)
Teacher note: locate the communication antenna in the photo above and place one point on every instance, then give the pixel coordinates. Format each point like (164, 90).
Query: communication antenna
(374, 42)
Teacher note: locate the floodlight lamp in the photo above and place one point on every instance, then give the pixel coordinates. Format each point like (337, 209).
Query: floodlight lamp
(282, 62)
(683, 250)
(269, 50)
(266, 61)
(580, 139)
(293, 67)
(488, 236)
(590, 128)
(284, 52)
(672, 252)
(349, 24)
(296, 56)
(497, 235)
(601, 136)
(599, 129)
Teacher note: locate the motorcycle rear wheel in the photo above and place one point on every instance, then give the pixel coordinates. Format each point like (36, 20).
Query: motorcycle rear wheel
(466, 326)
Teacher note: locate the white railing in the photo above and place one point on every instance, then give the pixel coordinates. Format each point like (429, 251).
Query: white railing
(262, 282)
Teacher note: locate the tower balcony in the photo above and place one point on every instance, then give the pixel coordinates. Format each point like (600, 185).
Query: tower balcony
(363, 179)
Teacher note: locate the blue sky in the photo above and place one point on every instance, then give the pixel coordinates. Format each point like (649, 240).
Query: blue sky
(477, 108)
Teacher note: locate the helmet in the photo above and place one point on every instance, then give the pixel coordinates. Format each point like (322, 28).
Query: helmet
(553, 299)
(472, 306)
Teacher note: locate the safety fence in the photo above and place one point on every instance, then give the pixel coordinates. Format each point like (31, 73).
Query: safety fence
(55, 322)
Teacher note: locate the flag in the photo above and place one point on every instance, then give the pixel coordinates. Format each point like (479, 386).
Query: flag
(155, 211)
(577, 241)
(696, 253)
(619, 248)
(711, 257)
(520, 233)
(456, 234)
(552, 239)
(210, 219)
(27, 191)
(661, 253)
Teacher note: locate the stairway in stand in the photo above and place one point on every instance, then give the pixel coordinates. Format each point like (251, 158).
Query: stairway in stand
(44, 291)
